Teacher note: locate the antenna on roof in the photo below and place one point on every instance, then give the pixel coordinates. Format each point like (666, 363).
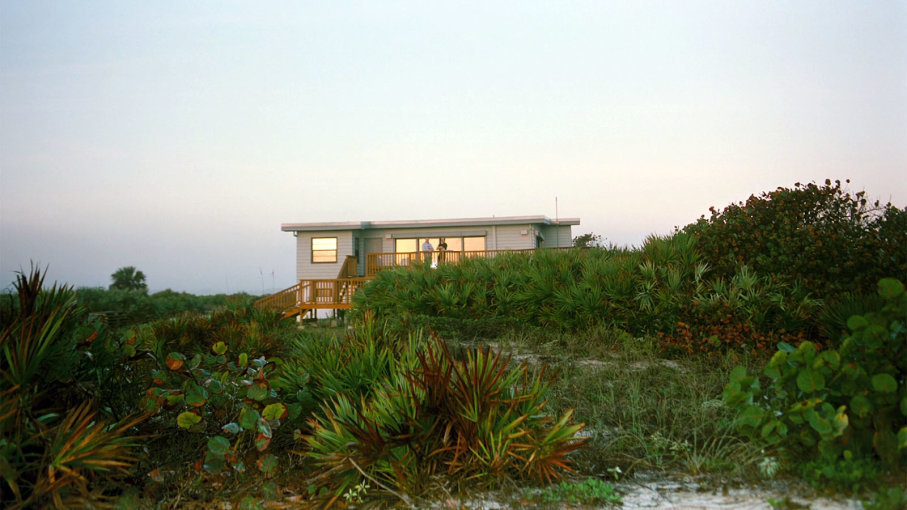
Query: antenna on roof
(556, 217)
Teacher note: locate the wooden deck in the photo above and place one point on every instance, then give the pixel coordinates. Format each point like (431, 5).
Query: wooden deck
(310, 295)
(375, 262)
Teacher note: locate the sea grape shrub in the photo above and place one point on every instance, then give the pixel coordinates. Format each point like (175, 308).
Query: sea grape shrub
(831, 240)
(225, 398)
(712, 330)
(837, 405)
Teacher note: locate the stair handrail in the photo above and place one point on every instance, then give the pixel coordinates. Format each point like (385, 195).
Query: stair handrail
(281, 300)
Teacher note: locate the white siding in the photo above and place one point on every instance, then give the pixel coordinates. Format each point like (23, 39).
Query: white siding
(511, 237)
(557, 236)
(306, 270)
(497, 237)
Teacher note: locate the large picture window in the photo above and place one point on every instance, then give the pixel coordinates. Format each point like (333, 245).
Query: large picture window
(324, 250)
(475, 243)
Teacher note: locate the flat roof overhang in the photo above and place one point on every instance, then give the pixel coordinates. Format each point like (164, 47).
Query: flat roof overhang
(453, 222)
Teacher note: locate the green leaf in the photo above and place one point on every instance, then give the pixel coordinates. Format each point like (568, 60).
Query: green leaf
(264, 427)
(262, 442)
(294, 410)
(268, 464)
(231, 428)
(188, 419)
(175, 360)
(861, 406)
(819, 424)
(857, 322)
(257, 393)
(248, 419)
(809, 380)
(738, 374)
(884, 383)
(214, 463)
(751, 417)
(218, 445)
(219, 348)
(243, 359)
(831, 358)
(902, 438)
(786, 347)
(196, 396)
(840, 421)
(889, 288)
(274, 412)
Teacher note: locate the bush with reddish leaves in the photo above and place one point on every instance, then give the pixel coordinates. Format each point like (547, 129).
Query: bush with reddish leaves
(831, 240)
(710, 330)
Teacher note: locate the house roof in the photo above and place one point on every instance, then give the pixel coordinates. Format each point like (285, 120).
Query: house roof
(452, 222)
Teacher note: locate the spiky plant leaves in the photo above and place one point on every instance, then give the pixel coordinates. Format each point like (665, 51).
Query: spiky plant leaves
(435, 415)
(546, 454)
(31, 343)
(80, 445)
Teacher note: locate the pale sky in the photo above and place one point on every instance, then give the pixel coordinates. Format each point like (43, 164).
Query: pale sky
(177, 136)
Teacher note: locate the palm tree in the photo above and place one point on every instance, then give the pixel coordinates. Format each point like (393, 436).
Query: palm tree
(127, 278)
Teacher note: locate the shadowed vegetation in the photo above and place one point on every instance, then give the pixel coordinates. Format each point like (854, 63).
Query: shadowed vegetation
(698, 353)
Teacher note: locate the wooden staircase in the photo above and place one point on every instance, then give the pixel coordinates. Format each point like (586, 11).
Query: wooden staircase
(307, 296)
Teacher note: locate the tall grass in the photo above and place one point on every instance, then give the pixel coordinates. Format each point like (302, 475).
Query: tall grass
(642, 412)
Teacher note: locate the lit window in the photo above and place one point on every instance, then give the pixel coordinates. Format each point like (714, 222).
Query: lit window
(473, 243)
(405, 246)
(324, 250)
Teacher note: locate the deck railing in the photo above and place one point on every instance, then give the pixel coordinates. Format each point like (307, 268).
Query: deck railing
(286, 299)
(336, 293)
(375, 262)
(313, 294)
(350, 267)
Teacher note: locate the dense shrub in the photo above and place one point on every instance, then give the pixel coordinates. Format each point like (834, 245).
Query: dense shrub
(837, 407)
(55, 439)
(822, 235)
(661, 288)
(130, 307)
(747, 312)
(209, 385)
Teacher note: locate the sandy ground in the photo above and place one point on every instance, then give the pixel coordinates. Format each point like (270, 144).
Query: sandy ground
(686, 495)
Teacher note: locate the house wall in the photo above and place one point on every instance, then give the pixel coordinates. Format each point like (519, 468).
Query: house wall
(356, 242)
(557, 236)
(497, 237)
(305, 269)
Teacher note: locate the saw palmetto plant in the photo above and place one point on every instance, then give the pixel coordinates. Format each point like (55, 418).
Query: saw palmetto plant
(476, 419)
(52, 455)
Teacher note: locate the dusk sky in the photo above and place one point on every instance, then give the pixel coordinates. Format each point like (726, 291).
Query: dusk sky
(177, 136)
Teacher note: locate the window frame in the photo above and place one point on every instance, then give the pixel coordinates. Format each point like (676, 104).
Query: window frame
(335, 250)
